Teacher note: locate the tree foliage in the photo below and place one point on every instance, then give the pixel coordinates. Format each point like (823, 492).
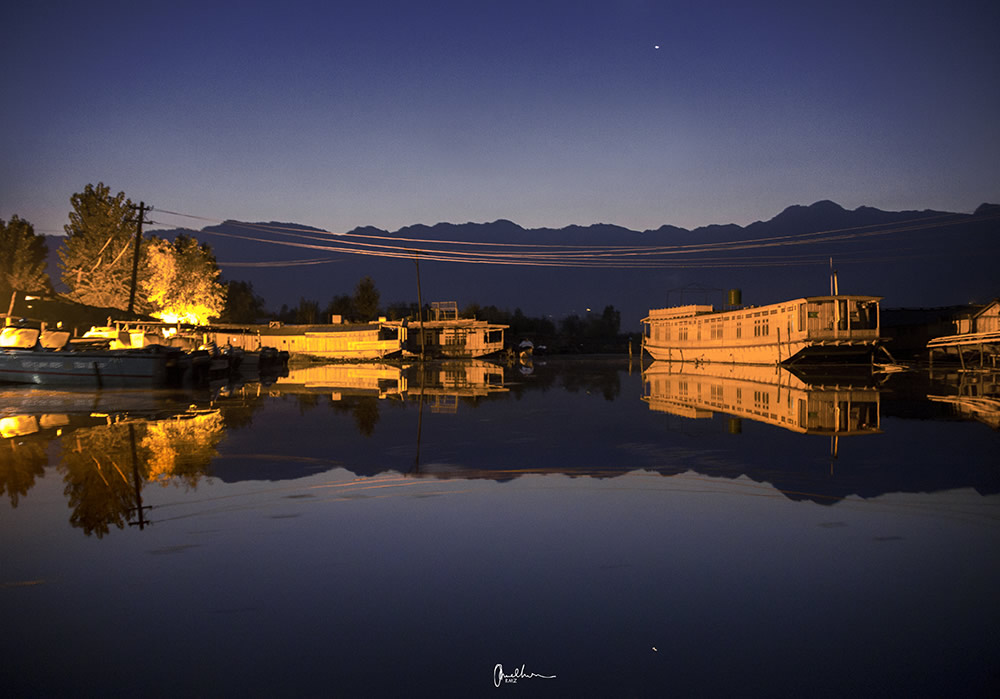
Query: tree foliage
(181, 280)
(340, 305)
(307, 312)
(95, 260)
(366, 298)
(22, 260)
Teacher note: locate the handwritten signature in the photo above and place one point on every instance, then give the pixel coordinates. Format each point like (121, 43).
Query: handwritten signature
(500, 677)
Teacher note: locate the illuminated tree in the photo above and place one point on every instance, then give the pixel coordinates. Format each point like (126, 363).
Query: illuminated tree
(181, 450)
(22, 264)
(95, 260)
(21, 462)
(181, 281)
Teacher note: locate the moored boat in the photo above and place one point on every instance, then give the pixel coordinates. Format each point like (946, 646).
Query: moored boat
(30, 356)
(834, 329)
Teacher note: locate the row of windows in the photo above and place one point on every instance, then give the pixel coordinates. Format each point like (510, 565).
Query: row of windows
(717, 327)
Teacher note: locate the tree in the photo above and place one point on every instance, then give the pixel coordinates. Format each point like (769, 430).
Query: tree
(242, 304)
(307, 312)
(340, 305)
(366, 299)
(95, 260)
(181, 280)
(22, 263)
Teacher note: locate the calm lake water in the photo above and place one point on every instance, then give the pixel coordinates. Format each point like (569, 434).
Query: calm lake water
(573, 528)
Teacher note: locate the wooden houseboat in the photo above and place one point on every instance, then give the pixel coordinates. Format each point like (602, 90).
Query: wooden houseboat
(344, 341)
(836, 328)
(447, 335)
(772, 395)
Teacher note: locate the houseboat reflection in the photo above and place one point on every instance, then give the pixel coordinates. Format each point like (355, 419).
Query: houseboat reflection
(447, 380)
(772, 395)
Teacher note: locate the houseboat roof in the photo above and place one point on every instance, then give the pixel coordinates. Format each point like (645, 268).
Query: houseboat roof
(704, 309)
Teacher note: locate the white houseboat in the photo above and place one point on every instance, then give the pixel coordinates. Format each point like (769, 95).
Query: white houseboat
(836, 328)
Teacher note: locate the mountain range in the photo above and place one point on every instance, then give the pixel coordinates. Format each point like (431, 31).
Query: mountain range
(911, 258)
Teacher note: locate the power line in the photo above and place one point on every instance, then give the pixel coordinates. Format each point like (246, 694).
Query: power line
(579, 256)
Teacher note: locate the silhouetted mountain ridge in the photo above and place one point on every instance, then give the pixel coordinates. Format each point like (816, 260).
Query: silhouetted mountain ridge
(937, 258)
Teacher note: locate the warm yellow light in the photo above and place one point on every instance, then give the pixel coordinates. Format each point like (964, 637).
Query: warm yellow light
(190, 314)
(17, 426)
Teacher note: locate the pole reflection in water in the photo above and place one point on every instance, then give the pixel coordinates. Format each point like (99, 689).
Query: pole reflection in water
(570, 519)
(107, 451)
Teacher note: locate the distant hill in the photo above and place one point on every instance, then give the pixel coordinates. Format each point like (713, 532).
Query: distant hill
(930, 258)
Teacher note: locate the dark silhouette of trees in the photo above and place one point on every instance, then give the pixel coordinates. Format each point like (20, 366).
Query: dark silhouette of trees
(342, 306)
(242, 304)
(308, 312)
(366, 298)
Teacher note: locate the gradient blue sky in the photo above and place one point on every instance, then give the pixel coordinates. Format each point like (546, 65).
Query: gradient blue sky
(342, 114)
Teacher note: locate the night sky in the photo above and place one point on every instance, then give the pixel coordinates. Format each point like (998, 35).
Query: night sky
(637, 113)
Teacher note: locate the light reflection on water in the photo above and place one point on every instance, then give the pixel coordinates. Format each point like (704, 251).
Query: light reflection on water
(388, 532)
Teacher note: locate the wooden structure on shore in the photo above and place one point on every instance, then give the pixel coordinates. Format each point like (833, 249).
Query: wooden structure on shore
(978, 338)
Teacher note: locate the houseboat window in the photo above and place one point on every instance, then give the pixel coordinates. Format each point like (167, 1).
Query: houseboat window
(863, 315)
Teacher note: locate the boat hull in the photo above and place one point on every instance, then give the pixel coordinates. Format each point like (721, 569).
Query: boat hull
(768, 354)
(112, 369)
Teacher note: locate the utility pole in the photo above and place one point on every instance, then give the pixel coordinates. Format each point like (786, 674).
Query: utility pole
(420, 307)
(135, 255)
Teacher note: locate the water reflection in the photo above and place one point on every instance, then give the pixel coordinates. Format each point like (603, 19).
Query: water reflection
(571, 418)
(553, 518)
(109, 446)
(973, 395)
(772, 395)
